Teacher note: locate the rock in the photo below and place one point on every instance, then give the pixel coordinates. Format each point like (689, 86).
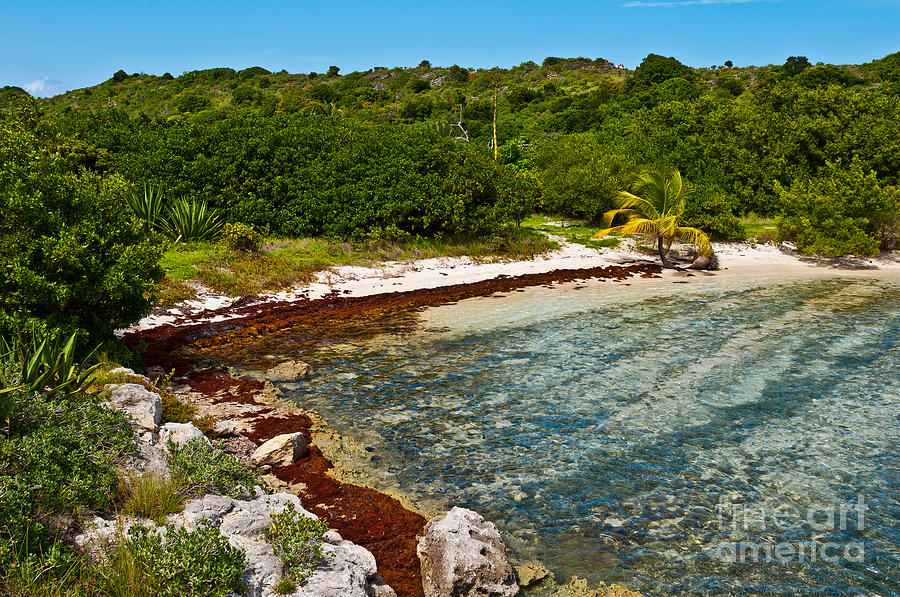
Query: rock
(156, 374)
(290, 371)
(144, 406)
(531, 573)
(180, 433)
(380, 588)
(281, 450)
(707, 262)
(225, 428)
(463, 554)
(578, 587)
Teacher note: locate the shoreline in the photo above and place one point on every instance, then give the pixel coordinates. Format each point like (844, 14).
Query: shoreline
(391, 277)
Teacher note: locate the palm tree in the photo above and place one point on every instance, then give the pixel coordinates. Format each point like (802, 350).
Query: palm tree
(656, 209)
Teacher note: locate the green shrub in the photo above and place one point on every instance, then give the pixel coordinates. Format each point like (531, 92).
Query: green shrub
(56, 458)
(285, 586)
(71, 256)
(297, 540)
(200, 563)
(197, 468)
(836, 214)
(176, 411)
(242, 237)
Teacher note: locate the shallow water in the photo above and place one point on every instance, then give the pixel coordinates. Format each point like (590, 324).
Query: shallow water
(660, 435)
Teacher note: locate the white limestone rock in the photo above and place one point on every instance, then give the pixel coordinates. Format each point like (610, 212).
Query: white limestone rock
(462, 554)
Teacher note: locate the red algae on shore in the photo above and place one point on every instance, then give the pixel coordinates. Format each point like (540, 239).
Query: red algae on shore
(376, 521)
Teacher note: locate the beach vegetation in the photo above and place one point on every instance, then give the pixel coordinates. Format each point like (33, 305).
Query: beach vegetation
(297, 540)
(655, 208)
(197, 468)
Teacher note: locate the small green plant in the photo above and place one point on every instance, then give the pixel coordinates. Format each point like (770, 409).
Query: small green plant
(46, 363)
(176, 411)
(189, 220)
(241, 237)
(197, 468)
(147, 207)
(297, 540)
(150, 496)
(285, 586)
(178, 562)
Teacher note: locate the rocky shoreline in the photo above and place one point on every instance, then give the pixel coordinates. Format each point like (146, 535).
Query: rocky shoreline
(251, 409)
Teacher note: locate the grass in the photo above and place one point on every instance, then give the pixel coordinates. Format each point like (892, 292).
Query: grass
(284, 263)
(572, 231)
(150, 496)
(759, 229)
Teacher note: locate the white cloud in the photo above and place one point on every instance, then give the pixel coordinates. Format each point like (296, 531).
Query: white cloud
(36, 86)
(42, 87)
(664, 3)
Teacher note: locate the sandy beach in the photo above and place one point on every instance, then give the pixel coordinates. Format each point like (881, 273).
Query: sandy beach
(741, 259)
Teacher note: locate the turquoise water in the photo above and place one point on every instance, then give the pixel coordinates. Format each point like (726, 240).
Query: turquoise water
(643, 433)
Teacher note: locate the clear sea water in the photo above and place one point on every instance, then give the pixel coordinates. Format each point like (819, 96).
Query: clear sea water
(676, 438)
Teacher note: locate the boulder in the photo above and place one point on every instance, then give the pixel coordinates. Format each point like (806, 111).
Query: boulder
(281, 450)
(180, 433)
(290, 371)
(463, 554)
(532, 573)
(705, 262)
(144, 406)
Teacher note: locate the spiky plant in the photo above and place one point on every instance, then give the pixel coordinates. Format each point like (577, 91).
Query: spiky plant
(147, 206)
(47, 362)
(192, 220)
(656, 208)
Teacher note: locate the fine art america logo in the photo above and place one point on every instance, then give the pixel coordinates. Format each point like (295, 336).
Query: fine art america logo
(743, 522)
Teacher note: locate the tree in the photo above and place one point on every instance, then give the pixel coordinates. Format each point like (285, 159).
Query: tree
(458, 74)
(119, 76)
(842, 211)
(656, 69)
(795, 65)
(332, 71)
(729, 64)
(659, 212)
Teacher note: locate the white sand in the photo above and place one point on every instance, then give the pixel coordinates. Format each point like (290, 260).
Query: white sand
(734, 259)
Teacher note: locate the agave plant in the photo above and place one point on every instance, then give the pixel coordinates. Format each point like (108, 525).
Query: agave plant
(147, 206)
(47, 363)
(191, 220)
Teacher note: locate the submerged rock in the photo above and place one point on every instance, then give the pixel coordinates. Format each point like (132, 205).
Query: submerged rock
(281, 450)
(463, 554)
(531, 574)
(144, 406)
(578, 587)
(290, 371)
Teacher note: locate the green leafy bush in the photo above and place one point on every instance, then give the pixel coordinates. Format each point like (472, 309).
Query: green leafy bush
(179, 562)
(197, 468)
(836, 214)
(56, 458)
(297, 540)
(242, 237)
(70, 254)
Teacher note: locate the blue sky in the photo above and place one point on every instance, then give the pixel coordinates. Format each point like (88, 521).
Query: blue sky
(51, 46)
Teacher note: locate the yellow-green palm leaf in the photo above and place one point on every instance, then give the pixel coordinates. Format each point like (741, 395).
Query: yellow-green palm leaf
(656, 208)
